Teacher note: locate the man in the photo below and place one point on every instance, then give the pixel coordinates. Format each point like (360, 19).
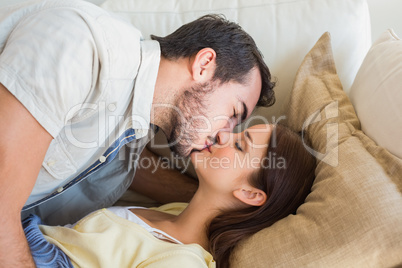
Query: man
(81, 92)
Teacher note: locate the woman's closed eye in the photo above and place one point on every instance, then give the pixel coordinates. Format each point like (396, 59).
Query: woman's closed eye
(238, 146)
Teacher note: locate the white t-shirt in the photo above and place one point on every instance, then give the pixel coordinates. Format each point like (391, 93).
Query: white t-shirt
(84, 74)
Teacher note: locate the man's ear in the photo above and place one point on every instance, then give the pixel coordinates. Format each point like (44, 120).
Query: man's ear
(251, 196)
(203, 66)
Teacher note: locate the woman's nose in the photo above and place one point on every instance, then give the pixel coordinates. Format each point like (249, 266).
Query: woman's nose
(222, 137)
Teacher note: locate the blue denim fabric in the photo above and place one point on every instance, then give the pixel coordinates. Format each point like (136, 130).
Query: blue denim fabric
(100, 185)
(45, 255)
(110, 154)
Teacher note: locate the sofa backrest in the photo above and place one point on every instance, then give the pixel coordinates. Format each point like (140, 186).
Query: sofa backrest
(284, 31)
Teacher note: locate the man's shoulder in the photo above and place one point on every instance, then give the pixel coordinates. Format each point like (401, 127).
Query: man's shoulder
(44, 5)
(86, 11)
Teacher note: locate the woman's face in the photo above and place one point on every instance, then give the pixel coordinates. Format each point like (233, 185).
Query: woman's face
(233, 158)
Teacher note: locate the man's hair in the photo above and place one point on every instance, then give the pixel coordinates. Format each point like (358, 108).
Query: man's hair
(236, 52)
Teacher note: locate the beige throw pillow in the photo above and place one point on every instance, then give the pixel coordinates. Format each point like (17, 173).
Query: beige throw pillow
(353, 216)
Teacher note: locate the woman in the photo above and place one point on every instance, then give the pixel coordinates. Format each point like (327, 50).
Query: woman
(247, 182)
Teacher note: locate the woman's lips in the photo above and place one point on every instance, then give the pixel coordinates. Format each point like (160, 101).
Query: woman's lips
(200, 150)
(207, 148)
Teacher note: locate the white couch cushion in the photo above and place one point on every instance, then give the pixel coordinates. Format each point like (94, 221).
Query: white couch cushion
(283, 30)
(376, 93)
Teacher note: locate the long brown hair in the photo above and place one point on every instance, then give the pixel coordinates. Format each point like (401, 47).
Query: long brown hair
(286, 176)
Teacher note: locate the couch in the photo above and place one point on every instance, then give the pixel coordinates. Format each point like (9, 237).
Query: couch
(339, 80)
(338, 70)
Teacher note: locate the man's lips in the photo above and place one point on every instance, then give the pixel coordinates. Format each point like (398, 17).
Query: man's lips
(206, 147)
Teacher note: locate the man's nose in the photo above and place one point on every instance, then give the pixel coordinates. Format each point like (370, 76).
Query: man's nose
(222, 137)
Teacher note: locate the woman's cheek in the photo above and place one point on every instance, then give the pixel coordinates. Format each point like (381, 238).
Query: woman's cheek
(227, 158)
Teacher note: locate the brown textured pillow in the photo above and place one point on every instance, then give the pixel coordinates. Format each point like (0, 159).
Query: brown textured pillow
(353, 216)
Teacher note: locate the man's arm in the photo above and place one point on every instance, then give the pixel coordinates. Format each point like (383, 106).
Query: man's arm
(23, 145)
(164, 185)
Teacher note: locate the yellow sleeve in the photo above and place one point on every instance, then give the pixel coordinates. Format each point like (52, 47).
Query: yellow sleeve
(177, 259)
(172, 208)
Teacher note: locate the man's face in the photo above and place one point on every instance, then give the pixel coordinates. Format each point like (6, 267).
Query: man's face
(204, 109)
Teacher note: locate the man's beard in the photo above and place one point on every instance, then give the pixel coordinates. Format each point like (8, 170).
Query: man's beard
(187, 123)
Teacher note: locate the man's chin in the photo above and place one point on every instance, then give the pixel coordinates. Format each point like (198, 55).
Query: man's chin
(193, 150)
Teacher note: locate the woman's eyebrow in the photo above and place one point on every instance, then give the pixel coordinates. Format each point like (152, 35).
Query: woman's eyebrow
(247, 135)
